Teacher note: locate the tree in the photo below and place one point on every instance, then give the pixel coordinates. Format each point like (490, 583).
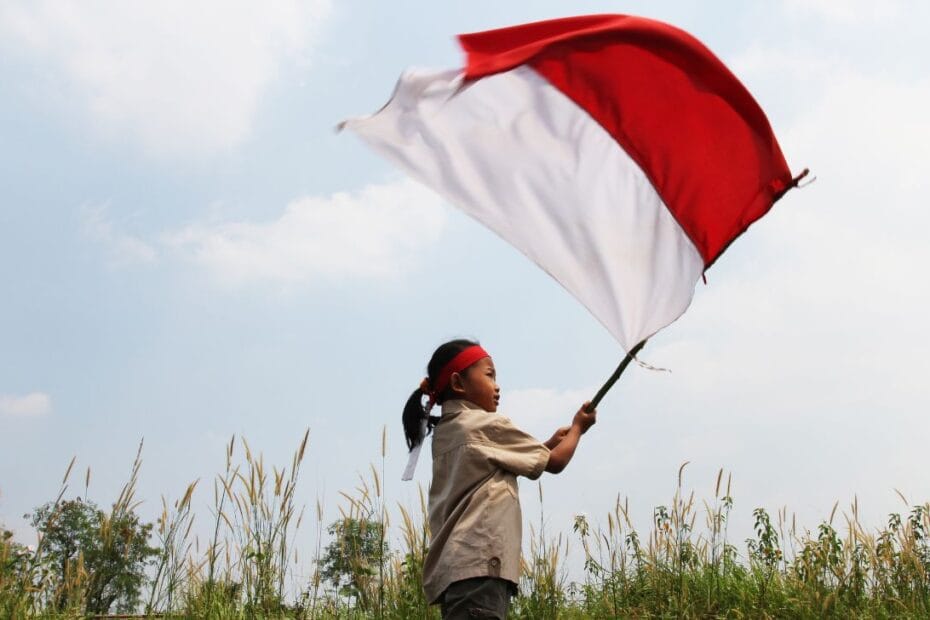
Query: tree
(354, 557)
(97, 560)
(14, 561)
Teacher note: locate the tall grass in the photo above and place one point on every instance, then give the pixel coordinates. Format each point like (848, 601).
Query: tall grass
(39, 582)
(684, 564)
(173, 532)
(245, 566)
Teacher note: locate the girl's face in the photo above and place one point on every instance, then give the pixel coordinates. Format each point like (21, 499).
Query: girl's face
(478, 384)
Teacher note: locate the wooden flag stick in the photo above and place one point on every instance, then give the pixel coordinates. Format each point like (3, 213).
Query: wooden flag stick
(613, 378)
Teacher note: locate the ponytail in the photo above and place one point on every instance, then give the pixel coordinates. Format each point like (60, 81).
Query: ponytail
(415, 414)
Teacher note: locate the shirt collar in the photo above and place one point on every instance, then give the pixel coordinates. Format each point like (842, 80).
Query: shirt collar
(458, 405)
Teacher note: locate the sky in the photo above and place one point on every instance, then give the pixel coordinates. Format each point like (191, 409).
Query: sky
(189, 251)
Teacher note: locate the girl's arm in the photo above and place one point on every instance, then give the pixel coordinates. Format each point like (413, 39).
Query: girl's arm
(557, 436)
(562, 453)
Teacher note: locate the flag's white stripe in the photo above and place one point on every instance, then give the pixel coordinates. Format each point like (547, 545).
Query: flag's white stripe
(520, 157)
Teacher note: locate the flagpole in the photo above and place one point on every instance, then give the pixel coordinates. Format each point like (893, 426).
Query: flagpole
(613, 378)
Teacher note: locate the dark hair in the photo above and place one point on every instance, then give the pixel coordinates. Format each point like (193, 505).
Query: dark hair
(414, 411)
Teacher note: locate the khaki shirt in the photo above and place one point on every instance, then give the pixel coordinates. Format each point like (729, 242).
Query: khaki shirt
(474, 505)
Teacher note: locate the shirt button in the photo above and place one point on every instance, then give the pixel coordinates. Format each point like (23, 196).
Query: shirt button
(494, 567)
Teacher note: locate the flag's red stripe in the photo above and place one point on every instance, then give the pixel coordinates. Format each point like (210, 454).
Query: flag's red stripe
(676, 109)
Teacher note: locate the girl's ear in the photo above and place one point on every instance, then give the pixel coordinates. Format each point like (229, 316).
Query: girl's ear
(456, 384)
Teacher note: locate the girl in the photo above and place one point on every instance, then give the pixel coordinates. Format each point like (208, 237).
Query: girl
(473, 563)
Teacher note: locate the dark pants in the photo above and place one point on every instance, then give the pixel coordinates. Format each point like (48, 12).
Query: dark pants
(480, 597)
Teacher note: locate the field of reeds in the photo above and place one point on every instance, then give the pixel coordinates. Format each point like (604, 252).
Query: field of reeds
(368, 563)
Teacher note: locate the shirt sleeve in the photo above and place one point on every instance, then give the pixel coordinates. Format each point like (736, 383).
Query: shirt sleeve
(514, 450)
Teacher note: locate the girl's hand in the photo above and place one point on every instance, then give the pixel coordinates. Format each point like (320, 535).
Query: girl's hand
(562, 453)
(557, 437)
(585, 419)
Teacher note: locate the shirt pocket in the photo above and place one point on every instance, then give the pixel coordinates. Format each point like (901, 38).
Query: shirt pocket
(503, 487)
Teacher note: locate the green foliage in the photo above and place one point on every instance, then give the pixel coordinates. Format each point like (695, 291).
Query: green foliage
(681, 573)
(765, 554)
(13, 557)
(353, 560)
(87, 560)
(14, 561)
(95, 561)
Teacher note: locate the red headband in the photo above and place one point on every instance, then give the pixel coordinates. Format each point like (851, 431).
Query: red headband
(464, 359)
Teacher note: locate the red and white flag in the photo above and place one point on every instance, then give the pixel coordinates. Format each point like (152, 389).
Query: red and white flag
(616, 152)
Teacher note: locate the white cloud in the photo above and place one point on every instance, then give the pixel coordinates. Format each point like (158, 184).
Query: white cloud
(376, 232)
(28, 405)
(123, 247)
(827, 293)
(846, 11)
(857, 234)
(181, 78)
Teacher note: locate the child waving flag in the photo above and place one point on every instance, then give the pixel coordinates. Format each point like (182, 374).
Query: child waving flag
(473, 564)
(621, 156)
